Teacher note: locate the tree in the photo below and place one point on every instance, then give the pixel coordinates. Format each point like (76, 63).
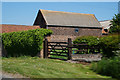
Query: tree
(115, 24)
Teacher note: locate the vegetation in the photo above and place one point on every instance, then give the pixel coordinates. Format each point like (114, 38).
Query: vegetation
(108, 43)
(90, 40)
(109, 67)
(52, 55)
(115, 24)
(35, 67)
(24, 42)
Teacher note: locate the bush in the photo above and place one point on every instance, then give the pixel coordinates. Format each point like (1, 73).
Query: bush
(108, 44)
(24, 42)
(115, 29)
(90, 40)
(109, 67)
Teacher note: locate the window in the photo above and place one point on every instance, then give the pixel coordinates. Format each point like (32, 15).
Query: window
(76, 29)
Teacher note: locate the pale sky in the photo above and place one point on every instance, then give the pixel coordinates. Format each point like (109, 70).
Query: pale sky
(60, 0)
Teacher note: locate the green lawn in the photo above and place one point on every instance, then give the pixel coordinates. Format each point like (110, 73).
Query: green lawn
(35, 67)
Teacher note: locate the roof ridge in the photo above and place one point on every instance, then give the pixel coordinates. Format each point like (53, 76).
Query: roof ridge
(65, 12)
(105, 20)
(67, 18)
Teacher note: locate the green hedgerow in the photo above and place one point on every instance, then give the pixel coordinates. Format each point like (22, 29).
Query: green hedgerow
(90, 40)
(108, 44)
(24, 42)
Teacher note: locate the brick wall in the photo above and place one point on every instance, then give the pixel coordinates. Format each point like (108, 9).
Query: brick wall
(63, 33)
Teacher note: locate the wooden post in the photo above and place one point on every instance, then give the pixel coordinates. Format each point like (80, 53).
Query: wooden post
(48, 39)
(69, 49)
(45, 48)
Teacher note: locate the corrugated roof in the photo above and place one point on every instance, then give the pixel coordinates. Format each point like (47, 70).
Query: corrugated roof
(69, 19)
(106, 24)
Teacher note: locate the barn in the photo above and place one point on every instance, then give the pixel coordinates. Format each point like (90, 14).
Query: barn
(106, 26)
(67, 24)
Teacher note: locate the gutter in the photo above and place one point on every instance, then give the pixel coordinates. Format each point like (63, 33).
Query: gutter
(75, 26)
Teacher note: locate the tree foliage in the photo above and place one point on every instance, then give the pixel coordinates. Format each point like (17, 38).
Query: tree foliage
(115, 24)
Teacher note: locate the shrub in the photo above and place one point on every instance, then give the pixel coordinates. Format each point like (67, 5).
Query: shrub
(24, 42)
(109, 44)
(109, 67)
(90, 40)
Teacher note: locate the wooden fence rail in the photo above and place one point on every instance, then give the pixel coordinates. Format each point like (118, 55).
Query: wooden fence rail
(66, 47)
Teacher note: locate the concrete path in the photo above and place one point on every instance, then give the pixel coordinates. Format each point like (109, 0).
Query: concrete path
(9, 76)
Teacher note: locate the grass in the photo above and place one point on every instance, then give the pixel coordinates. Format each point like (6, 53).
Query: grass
(110, 67)
(35, 67)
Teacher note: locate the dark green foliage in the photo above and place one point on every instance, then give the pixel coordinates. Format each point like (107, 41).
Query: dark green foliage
(109, 67)
(108, 44)
(90, 40)
(115, 29)
(115, 24)
(24, 42)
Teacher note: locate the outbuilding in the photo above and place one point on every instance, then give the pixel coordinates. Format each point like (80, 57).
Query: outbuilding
(67, 24)
(106, 26)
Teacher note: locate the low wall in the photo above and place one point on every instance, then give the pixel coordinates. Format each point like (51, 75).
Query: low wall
(87, 57)
(40, 54)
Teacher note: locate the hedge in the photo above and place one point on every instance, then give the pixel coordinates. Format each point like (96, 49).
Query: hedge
(109, 67)
(90, 40)
(108, 43)
(24, 42)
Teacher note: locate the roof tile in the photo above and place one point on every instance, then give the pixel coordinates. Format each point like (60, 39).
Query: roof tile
(14, 28)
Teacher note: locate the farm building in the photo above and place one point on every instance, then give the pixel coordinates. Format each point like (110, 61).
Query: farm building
(106, 26)
(67, 24)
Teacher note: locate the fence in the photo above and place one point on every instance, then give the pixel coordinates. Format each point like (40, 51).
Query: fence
(66, 49)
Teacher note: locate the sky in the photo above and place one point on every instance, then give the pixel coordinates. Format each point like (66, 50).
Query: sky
(60, 0)
(24, 13)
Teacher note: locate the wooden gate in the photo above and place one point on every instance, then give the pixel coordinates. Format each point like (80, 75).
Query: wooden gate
(57, 49)
(65, 49)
